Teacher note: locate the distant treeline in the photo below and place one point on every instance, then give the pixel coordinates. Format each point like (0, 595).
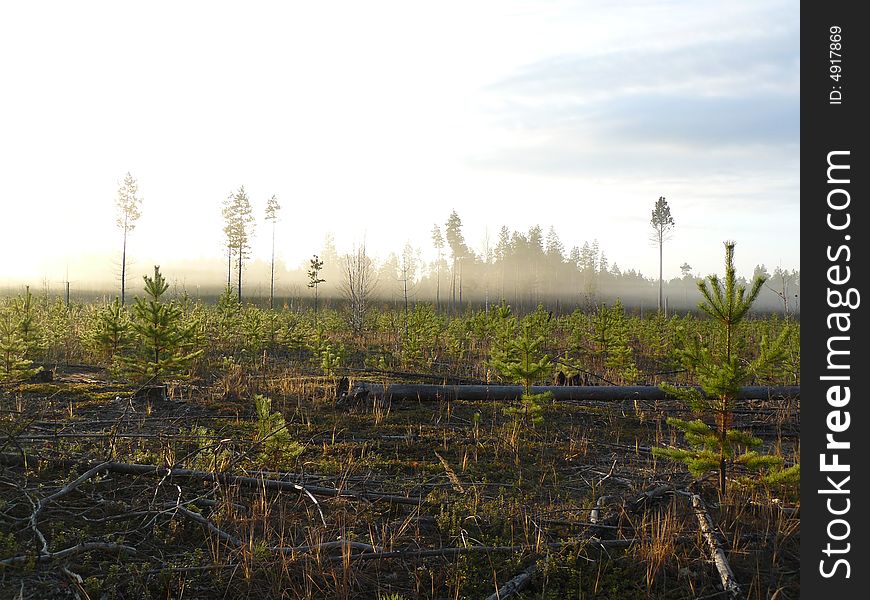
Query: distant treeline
(570, 289)
(523, 268)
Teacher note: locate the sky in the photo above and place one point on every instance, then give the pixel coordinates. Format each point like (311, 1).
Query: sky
(373, 120)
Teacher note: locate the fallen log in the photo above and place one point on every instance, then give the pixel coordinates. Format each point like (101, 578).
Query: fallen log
(365, 390)
(705, 524)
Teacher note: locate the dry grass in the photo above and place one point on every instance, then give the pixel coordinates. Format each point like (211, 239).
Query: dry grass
(484, 480)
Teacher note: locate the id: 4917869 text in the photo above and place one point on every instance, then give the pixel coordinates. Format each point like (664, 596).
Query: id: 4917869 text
(835, 57)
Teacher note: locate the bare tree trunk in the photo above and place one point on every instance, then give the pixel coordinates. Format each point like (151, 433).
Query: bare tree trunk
(460, 285)
(272, 282)
(240, 275)
(661, 245)
(405, 294)
(438, 284)
(502, 280)
(123, 264)
(229, 266)
(723, 465)
(604, 393)
(453, 288)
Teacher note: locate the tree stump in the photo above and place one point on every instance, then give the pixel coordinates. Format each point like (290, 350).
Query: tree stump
(151, 393)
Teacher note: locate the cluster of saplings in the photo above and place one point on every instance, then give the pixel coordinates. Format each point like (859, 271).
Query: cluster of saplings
(160, 338)
(605, 345)
(149, 342)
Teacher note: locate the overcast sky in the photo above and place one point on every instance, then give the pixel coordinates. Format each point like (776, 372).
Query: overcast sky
(373, 120)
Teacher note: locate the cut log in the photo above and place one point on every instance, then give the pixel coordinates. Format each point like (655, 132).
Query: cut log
(365, 390)
(714, 545)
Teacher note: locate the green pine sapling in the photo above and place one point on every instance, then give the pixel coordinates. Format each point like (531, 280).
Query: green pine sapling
(314, 280)
(277, 448)
(111, 333)
(14, 364)
(522, 360)
(254, 332)
(330, 360)
(619, 355)
(28, 329)
(420, 344)
(721, 373)
(164, 341)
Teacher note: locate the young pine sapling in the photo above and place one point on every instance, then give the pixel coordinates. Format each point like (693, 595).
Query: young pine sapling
(164, 342)
(721, 372)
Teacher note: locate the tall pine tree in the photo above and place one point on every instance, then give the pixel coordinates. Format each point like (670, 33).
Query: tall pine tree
(238, 228)
(438, 242)
(662, 224)
(272, 208)
(128, 204)
(459, 251)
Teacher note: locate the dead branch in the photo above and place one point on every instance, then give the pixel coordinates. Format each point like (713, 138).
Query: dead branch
(705, 524)
(650, 495)
(227, 479)
(595, 513)
(66, 552)
(232, 540)
(41, 504)
(515, 585)
(609, 473)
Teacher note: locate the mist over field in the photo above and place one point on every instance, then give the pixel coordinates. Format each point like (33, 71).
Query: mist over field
(555, 286)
